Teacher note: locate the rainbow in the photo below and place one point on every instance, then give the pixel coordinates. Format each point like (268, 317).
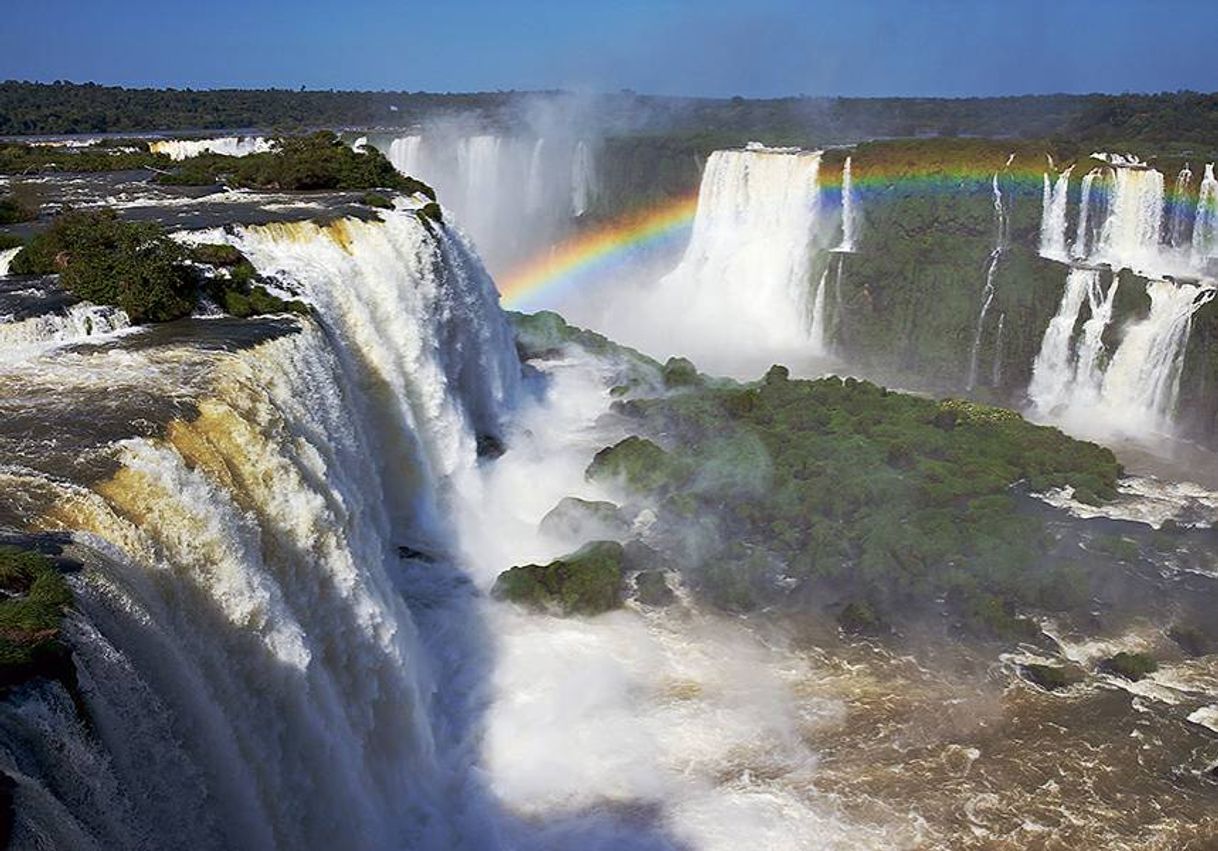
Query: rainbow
(587, 256)
(594, 251)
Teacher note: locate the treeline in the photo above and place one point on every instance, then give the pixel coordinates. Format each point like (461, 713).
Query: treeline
(59, 108)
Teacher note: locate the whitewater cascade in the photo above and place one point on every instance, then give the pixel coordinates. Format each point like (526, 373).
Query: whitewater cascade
(423, 315)
(1127, 219)
(405, 154)
(987, 290)
(848, 209)
(488, 181)
(1134, 391)
(1053, 216)
(1178, 236)
(253, 675)
(231, 146)
(6, 259)
(1204, 243)
(744, 283)
(74, 323)
(583, 179)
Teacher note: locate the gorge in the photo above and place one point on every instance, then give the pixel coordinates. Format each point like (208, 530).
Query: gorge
(837, 615)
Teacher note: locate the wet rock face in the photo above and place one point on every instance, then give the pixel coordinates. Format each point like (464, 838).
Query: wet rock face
(651, 589)
(1130, 666)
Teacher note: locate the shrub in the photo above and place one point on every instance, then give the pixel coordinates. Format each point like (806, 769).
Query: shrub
(1130, 666)
(105, 260)
(372, 199)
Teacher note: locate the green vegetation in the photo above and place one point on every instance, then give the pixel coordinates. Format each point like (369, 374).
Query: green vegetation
(17, 158)
(587, 582)
(236, 287)
(137, 267)
(860, 619)
(13, 210)
(888, 500)
(380, 202)
(64, 107)
(1052, 677)
(318, 161)
(35, 597)
(103, 259)
(1130, 666)
(10, 240)
(636, 462)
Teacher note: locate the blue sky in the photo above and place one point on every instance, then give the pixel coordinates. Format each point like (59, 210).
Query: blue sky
(703, 47)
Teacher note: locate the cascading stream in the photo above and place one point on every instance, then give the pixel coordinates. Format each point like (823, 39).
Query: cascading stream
(1053, 216)
(987, 290)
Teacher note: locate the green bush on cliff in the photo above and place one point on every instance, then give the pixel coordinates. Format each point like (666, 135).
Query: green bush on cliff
(35, 597)
(587, 582)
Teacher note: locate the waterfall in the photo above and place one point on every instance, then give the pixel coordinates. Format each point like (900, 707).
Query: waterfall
(481, 173)
(987, 298)
(583, 179)
(1087, 370)
(1131, 232)
(1179, 228)
(743, 288)
(421, 312)
(535, 184)
(229, 146)
(406, 155)
(6, 258)
(1053, 216)
(848, 212)
(253, 675)
(1134, 393)
(514, 195)
(987, 290)
(1206, 221)
(1143, 379)
(1090, 211)
(837, 296)
(996, 371)
(817, 334)
(1052, 371)
(72, 324)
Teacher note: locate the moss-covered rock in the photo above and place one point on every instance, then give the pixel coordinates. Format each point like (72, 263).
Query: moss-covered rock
(374, 199)
(431, 212)
(636, 462)
(1051, 677)
(1130, 666)
(651, 589)
(589, 519)
(680, 372)
(35, 597)
(587, 582)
